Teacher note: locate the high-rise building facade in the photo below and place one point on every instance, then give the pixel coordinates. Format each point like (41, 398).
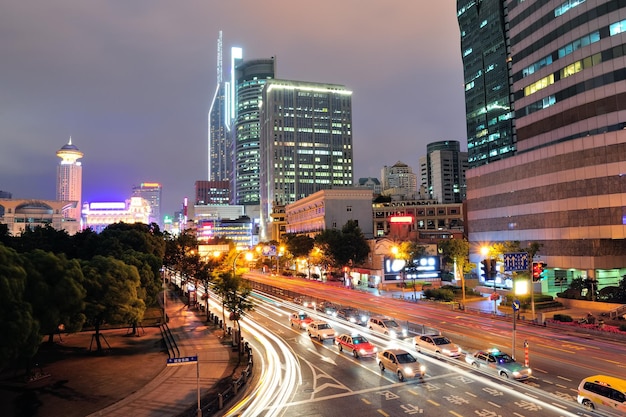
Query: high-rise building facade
(220, 119)
(489, 114)
(565, 188)
(306, 142)
(399, 180)
(70, 179)
(212, 192)
(151, 192)
(442, 171)
(250, 77)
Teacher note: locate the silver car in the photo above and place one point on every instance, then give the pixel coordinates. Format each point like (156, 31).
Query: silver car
(400, 362)
(499, 363)
(437, 344)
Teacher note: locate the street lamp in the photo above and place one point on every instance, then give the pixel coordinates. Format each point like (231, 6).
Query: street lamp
(249, 257)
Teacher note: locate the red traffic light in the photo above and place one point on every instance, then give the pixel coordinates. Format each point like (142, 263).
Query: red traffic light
(538, 268)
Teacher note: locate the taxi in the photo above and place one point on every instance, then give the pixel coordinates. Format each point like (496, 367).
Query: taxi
(603, 393)
(499, 363)
(300, 320)
(357, 344)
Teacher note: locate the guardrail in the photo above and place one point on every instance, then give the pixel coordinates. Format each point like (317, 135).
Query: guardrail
(215, 401)
(170, 342)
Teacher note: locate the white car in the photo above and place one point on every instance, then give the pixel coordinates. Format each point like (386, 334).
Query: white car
(320, 330)
(436, 344)
(386, 326)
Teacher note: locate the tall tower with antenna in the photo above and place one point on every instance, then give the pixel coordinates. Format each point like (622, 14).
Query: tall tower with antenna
(70, 179)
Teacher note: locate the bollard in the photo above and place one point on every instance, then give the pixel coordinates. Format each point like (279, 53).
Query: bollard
(220, 401)
(244, 376)
(235, 387)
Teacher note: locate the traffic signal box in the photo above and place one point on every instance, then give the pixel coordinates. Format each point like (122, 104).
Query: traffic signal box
(538, 269)
(486, 266)
(489, 270)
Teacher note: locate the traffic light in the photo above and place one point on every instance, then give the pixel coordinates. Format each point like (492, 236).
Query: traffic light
(538, 268)
(486, 269)
(492, 268)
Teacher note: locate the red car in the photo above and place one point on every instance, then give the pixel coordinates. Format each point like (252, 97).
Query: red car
(301, 320)
(357, 344)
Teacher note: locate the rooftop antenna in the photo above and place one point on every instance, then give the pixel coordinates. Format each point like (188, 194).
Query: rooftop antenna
(219, 59)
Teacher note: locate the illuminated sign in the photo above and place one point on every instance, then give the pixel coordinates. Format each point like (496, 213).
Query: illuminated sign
(117, 205)
(150, 184)
(400, 219)
(423, 267)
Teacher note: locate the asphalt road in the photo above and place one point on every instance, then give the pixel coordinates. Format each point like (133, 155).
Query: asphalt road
(334, 383)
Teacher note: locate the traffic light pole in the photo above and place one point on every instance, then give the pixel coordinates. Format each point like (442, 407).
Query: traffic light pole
(532, 291)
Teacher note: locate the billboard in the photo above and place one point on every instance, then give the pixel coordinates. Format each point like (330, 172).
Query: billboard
(422, 268)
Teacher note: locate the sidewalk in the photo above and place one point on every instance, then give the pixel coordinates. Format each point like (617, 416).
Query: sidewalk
(131, 377)
(173, 390)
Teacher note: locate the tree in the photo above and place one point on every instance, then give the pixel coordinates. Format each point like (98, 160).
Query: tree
(346, 247)
(111, 294)
(55, 292)
(18, 327)
(299, 245)
(457, 251)
(237, 302)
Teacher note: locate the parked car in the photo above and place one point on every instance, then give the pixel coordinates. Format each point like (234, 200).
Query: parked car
(386, 326)
(300, 320)
(437, 344)
(357, 344)
(400, 362)
(499, 363)
(320, 330)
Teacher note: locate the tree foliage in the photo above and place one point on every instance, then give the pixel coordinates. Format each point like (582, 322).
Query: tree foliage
(55, 291)
(345, 247)
(111, 293)
(18, 326)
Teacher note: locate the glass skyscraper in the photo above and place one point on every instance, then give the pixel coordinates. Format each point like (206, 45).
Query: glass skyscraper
(489, 114)
(250, 77)
(564, 187)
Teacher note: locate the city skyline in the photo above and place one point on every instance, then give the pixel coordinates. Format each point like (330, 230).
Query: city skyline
(132, 84)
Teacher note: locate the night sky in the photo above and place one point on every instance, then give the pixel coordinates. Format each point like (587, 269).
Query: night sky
(131, 82)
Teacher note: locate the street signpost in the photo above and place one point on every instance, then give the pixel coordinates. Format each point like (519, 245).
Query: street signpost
(189, 360)
(516, 261)
(516, 306)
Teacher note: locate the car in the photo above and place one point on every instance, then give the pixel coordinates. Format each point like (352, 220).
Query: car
(400, 362)
(305, 302)
(300, 320)
(357, 344)
(604, 393)
(352, 315)
(320, 330)
(386, 326)
(500, 363)
(327, 308)
(436, 344)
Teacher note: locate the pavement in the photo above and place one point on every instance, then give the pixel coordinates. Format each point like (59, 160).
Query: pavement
(131, 377)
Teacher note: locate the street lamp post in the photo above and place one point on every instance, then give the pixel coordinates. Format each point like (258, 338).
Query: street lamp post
(248, 258)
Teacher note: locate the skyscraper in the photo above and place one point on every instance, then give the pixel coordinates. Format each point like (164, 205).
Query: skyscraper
(250, 77)
(70, 179)
(489, 115)
(565, 186)
(220, 119)
(442, 171)
(151, 192)
(306, 142)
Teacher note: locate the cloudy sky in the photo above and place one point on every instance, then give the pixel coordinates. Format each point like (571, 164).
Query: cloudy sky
(131, 82)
